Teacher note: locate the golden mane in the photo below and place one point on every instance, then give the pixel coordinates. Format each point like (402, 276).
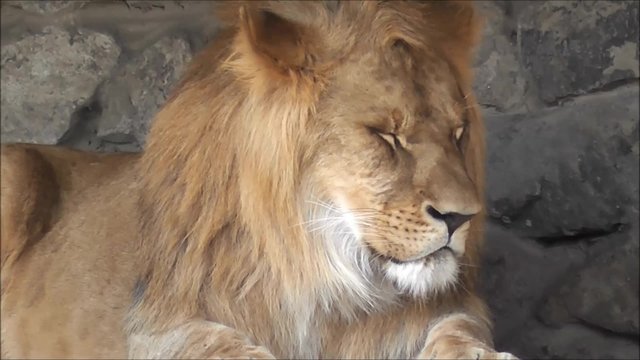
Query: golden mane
(246, 110)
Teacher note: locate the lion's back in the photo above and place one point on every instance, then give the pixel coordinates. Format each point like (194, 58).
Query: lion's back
(68, 236)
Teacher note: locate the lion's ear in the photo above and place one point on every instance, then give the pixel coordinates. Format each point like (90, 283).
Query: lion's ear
(275, 38)
(272, 36)
(276, 43)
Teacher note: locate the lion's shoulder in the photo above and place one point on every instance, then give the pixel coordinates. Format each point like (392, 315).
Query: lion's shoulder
(34, 180)
(29, 196)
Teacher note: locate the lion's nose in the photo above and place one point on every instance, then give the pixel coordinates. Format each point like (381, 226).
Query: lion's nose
(452, 219)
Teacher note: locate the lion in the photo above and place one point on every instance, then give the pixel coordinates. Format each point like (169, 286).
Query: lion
(312, 188)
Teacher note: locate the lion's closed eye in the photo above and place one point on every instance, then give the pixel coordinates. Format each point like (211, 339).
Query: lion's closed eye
(459, 132)
(390, 138)
(459, 135)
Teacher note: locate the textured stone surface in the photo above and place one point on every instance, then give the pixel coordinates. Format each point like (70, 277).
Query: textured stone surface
(584, 296)
(573, 342)
(572, 47)
(47, 77)
(43, 7)
(132, 97)
(566, 171)
(604, 293)
(500, 81)
(511, 290)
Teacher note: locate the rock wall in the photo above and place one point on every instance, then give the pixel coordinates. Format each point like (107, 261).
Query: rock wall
(558, 82)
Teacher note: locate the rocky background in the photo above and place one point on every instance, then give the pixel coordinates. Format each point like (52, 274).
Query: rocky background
(558, 82)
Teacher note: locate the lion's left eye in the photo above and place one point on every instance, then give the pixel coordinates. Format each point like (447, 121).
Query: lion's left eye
(459, 132)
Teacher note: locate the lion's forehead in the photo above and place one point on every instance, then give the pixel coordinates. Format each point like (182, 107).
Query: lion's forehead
(427, 89)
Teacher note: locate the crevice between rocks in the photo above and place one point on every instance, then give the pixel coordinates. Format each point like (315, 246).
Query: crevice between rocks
(492, 107)
(602, 89)
(83, 124)
(608, 332)
(578, 235)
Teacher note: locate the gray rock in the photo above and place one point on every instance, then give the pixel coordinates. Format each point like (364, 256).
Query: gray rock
(570, 171)
(570, 342)
(47, 77)
(43, 7)
(515, 275)
(573, 47)
(148, 5)
(591, 318)
(139, 89)
(604, 293)
(500, 80)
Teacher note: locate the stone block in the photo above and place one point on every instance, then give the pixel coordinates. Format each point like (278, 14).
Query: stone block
(575, 47)
(571, 342)
(569, 171)
(604, 293)
(500, 80)
(43, 7)
(46, 77)
(133, 96)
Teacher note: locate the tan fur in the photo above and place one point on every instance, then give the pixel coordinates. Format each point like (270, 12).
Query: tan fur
(288, 173)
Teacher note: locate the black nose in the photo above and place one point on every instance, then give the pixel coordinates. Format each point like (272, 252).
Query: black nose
(453, 220)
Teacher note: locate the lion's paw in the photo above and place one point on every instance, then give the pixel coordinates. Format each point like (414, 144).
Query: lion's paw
(466, 352)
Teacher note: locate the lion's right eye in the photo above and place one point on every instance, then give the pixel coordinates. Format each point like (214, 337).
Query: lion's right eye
(391, 139)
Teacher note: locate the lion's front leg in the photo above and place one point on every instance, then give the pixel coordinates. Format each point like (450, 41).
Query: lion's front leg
(460, 336)
(196, 340)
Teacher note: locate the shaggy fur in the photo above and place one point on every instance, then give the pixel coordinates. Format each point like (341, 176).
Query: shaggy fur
(290, 201)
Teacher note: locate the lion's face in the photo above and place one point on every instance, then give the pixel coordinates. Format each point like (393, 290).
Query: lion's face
(389, 167)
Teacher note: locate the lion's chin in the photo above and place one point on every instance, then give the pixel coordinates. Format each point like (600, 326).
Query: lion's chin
(429, 275)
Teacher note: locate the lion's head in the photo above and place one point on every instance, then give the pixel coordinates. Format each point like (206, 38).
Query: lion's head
(342, 137)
